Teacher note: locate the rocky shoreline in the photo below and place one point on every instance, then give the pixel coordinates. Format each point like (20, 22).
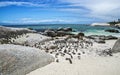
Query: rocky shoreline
(61, 32)
(60, 44)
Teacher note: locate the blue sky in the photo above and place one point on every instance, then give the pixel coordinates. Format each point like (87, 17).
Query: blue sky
(58, 11)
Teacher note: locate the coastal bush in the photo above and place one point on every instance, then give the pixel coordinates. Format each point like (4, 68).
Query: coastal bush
(112, 31)
(112, 23)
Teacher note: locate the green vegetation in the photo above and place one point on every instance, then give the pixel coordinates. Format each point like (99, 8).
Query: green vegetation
(114, 22)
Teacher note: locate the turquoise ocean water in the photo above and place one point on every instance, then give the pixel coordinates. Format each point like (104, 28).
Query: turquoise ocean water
(87, 29)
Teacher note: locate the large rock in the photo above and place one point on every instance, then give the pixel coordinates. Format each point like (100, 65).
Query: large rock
(63, 33)
(20, 60)
(58, 32)
(102, 37)
(30, 39)
(99, 41)
(116, 47)
(60, 29)
(110, 37)
(6, 32)
(112, 31)
(96, 37)
(51, 33)
(79, 35)
(68, 29)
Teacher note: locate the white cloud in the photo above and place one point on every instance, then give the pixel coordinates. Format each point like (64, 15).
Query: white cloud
(100, 9)
(42, 21)
(36, 21)
(103, 9)
(47, 21)
(30, 20)
(74, 10)
(25, 19)
(8, 3)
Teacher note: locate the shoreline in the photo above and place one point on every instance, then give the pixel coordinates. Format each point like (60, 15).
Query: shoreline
(78, 54)
(87, 65)
(94, 31)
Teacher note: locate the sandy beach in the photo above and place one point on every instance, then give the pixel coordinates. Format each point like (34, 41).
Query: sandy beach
(59, 37)
(87, 65)
(90, 62)
(72, 54)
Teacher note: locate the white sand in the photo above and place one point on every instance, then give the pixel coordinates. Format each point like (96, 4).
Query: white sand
(87, 65)
(100, 24)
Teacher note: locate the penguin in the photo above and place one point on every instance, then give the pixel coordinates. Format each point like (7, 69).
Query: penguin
(70, 61)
